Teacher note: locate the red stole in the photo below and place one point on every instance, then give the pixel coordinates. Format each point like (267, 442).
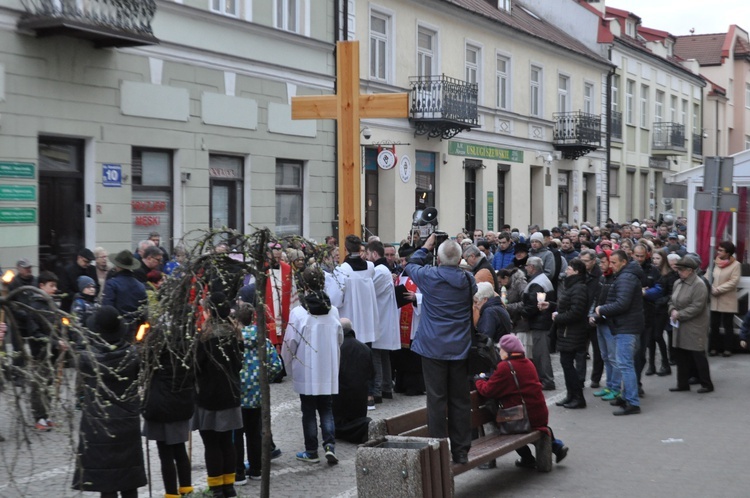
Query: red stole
(406, 315)
(286, 293)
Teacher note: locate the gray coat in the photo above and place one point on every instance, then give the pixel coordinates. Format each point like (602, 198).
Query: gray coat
(690, 299)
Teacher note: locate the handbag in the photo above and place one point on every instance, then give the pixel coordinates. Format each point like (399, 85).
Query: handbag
(513, 420)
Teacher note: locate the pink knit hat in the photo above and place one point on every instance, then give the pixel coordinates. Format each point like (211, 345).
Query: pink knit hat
(510, 344)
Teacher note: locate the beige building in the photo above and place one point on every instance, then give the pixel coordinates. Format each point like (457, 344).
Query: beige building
(505, 117)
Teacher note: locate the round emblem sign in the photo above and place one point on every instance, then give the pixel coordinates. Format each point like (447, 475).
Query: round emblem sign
(386, 159)
(404, 169)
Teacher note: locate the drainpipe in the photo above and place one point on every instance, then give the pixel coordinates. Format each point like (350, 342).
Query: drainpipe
(338, 13)
(608, 142)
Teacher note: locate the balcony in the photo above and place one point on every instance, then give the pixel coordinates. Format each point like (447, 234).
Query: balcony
(616, 128)
(576, 133)
(697, 144)
(107, 23)
(668, 139)
(443, 107)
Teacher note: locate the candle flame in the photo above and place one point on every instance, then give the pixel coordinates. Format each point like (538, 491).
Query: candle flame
(65, 321)
(8, 276)
(142, 331)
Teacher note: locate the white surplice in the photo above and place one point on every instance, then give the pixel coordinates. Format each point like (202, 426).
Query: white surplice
(387, 310)
(353, 293)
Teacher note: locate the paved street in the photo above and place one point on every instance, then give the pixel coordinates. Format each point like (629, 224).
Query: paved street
(683, 444)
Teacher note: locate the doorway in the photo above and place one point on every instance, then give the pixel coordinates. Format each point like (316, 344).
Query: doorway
(61, 206)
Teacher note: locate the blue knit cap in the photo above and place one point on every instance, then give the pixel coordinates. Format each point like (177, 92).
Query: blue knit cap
(84, 281)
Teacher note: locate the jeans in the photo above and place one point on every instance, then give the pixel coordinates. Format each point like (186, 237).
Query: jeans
(626, 347)
(323, 404)
(609, 355)
(383, 382)
(540, 357)
(446, 382)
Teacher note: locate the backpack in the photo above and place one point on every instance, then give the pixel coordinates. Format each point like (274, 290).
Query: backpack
(483, 356)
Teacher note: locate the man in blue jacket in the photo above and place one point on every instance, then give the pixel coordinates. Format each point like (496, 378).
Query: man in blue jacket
(623, 312)
(443, 339)
(125, 292)
(505, 252)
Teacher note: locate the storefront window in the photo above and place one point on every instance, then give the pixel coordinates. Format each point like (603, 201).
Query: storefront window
(151, 203)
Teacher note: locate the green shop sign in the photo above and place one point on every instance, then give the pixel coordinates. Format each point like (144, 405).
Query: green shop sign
(484, 152)
(16, 170)
(17, 193)
(18, 215)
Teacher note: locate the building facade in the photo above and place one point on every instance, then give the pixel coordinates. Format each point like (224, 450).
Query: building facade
(171, 117)
(506, 115)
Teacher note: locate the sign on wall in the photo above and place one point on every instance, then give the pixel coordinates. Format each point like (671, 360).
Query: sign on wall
(490, 211)
(16, 170)
(17, 215)
(111, 175)
(466, 149)
(17, 193)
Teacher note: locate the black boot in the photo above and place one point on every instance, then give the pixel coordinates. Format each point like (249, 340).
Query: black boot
(664, 370)
(651, 370)
(567, 399)
(578, 401)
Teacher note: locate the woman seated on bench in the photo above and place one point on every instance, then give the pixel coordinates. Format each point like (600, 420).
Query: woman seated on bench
(502, 387)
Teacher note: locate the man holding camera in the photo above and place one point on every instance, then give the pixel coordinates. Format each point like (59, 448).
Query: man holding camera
(443, 339)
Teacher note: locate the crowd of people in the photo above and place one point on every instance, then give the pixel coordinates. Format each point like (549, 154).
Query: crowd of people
(387, 319)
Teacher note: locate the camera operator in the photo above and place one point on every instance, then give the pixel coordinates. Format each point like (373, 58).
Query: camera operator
(443, 339)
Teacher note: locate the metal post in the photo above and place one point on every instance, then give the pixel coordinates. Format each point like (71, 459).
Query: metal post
(715, 197)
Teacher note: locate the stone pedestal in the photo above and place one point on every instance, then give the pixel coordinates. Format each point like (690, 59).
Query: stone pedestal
(404, 466)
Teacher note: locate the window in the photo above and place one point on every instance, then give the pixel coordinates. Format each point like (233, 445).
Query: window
(288, 15)
(696, 118)
(228, 7)
(225, 175)
(151, 203)
(614, 182)
(473, 62)
(503, 5)
(288, 197)
(673, 109)
(659, 109)
(747, 95)
(616, 93)
(747, 142)
(425, 52)
(644, 106)
(563, 93)
(424, 176)
(630, 28)
(629, 95)
(684, 112)
(379, 34)
(588, 98)
(503, 82)
(535, 106)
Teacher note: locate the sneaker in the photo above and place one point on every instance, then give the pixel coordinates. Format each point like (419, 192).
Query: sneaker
(239, 478)
(610, 395)
(307, 456)
(42, 425)
(254, 476)
(561, 453)
(275, 453)
(602, 392)
(370, 403)
(330, 455)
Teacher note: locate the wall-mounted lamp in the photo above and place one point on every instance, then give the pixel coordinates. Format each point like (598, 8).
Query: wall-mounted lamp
(366, 133)
(547, 159)
(185, 177)
(705, 134)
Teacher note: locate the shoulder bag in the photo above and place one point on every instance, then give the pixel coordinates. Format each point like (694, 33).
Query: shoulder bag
(514, 420)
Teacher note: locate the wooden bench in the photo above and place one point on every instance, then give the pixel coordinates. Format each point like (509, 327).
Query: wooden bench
(484, 449)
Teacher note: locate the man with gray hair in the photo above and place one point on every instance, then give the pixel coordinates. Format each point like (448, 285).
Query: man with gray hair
(477, 259)
(443, 339)
(539, 289)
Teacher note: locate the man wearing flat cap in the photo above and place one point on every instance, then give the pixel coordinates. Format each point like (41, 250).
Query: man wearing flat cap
(69, 277)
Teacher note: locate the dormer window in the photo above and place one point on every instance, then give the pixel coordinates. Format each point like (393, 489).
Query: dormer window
(630, 28)
(503, 5)
(669, 46)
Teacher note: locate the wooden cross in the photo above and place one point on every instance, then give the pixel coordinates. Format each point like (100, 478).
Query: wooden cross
(348, 106)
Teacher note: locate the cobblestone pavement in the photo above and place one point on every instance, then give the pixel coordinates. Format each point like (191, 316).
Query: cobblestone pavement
(682, 445)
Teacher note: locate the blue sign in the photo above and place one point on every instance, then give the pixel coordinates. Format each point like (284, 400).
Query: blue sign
(111, 175)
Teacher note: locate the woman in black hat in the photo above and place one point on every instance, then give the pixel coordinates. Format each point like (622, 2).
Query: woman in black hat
(110, 457)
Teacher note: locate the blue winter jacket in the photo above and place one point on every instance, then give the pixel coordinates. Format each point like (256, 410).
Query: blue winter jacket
(503, 258)
(126, 294)
(444, 331)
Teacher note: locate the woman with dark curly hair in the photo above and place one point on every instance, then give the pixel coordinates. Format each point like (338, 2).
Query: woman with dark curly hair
(726, 277)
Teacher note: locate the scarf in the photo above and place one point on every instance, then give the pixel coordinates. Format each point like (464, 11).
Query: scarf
(723, 263)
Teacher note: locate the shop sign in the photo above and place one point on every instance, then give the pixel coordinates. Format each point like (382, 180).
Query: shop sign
(466, 149)
(16, 170)
(18, 215)
(17, 193)
(490, 211)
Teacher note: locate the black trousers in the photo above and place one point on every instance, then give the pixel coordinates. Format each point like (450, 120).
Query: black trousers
(252, 429)
(573, 382)
(719, 342)
(597, 364)
(689, 362)
(448, 393)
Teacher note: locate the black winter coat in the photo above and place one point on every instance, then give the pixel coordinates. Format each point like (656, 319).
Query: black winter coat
(218, 363)
(69, 282)
(170, 395)
(572, 314)
(110, 454)
(623, 310)
(355, 372)
(600, 295)
(494, 320)
(538, 320)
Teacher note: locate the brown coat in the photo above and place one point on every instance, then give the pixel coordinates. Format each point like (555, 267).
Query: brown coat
(690, 299)
(724, 285)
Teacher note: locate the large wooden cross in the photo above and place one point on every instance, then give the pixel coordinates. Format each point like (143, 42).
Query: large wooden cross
(348, 106)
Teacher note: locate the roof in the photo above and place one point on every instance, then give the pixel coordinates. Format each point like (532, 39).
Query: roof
(706, 49)
(522, 19)
(653, 35)
(611, 11)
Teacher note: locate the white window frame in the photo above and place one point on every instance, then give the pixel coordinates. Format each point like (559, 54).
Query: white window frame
(563, 93)
(696, 120)
(474, 68)
(673, 108)
(223, 7)
(293, 190)
(645, 95)
(747, 95)
(433, 52)
(503, 82)
(659, 106)
(616, 93)
(629, 102)
(588, 97)
(683, 113)
(536, 91)
(284, 22)
(386, 39)
(504, 5)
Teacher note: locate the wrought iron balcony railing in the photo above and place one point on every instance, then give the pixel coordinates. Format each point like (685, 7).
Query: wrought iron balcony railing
(668, 137)
(108, 23)
(442, 106)
(616, 129)
(576, 133)
(697, 144)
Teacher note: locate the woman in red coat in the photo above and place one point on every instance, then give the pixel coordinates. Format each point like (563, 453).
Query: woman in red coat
(502, 387)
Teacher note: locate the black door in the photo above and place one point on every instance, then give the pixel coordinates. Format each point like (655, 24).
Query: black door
(61, 203)
(371, 203)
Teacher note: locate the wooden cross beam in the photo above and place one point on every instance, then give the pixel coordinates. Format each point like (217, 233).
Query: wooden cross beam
(348, 106)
